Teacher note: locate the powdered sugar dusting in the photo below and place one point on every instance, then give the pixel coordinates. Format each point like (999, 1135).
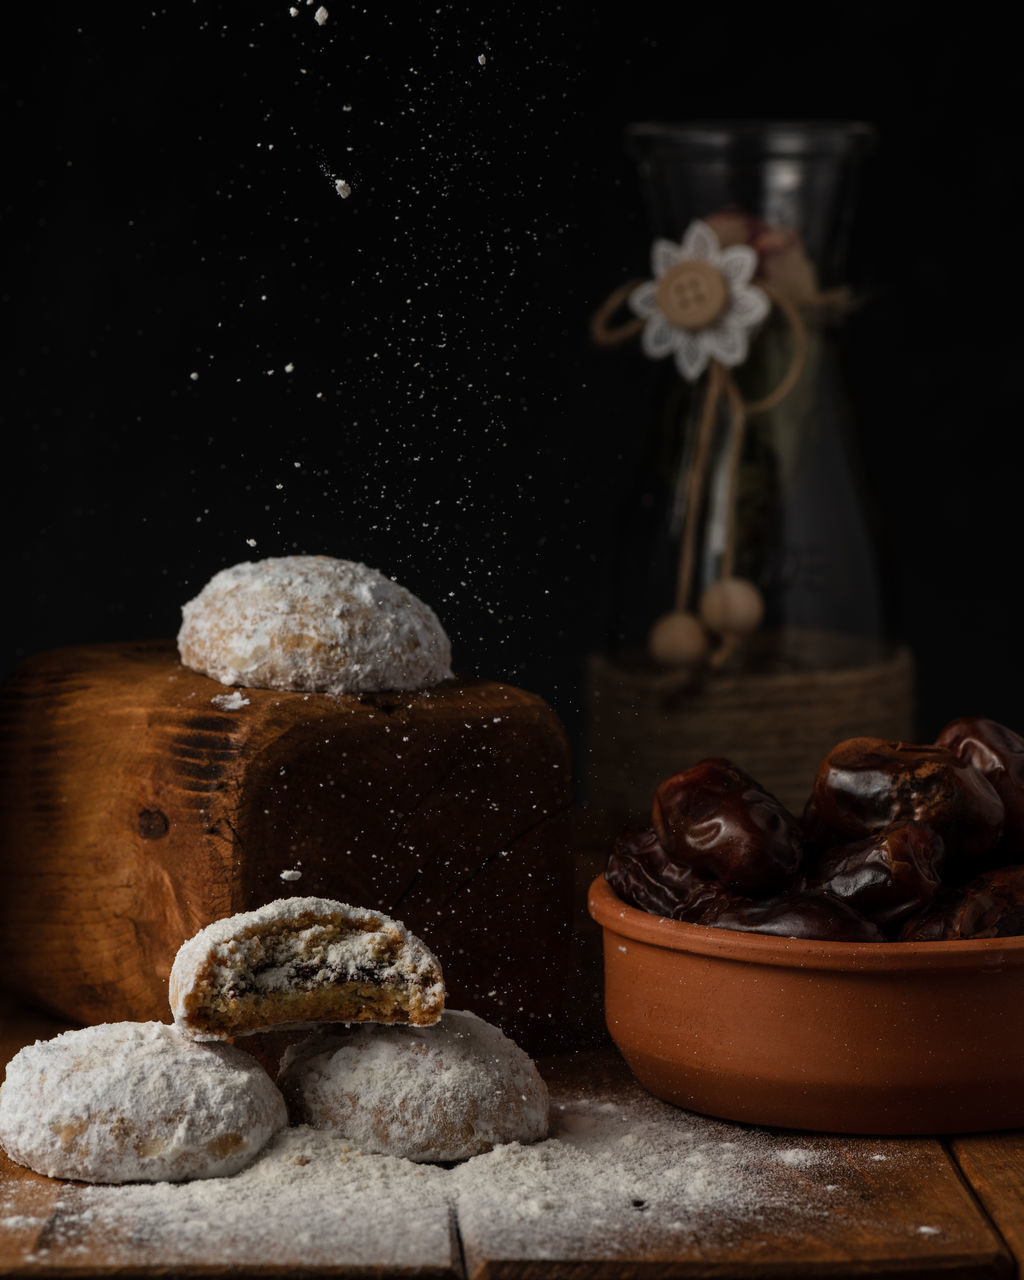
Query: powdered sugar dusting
(613, 1169)
(313, 624)
(302, 942)
(444, 1092)
(621, 1174)
(311, 1200)
(129, 1100)
(229, 701)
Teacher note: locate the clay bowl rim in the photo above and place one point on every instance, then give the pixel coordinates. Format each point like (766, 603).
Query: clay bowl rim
(614, 915)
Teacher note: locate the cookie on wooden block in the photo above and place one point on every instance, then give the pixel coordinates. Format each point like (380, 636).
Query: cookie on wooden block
(140, 801)
(298, 961)
(313, 623)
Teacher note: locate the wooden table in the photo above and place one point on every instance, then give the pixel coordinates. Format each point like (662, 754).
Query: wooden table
(778, 1204)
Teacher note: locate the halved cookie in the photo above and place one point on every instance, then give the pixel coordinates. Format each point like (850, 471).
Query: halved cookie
(298, 961)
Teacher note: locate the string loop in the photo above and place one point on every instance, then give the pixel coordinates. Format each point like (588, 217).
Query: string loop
(719, 386)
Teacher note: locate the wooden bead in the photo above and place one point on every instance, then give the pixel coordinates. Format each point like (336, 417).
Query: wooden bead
(732, 606)
(677, 639)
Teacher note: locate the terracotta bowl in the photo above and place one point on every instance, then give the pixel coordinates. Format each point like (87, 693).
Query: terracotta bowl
(846, 1037)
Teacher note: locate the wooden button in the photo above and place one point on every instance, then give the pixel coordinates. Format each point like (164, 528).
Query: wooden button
(691, 295)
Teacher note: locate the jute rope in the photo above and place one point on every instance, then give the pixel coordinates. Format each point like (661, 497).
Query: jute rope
(645, 725)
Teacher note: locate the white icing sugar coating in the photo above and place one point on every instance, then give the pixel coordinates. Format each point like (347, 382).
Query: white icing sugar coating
(302, 960)
(312, 624)
(136, 1102)
(439, 1093)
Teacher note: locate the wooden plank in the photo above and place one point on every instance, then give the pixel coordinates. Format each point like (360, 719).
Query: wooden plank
(644, 1190)
(221, 1227)
(993, 1164)
(28, 1207)
(388, 1218)
(627, 1187)
(27, 1201)
(226, 1227)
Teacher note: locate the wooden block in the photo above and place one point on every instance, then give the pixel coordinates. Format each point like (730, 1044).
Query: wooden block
(135, 810)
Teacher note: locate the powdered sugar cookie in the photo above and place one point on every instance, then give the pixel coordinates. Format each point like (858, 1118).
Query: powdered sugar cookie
(445, 1092)
(298, 961)
(314, 624)
(136, 1102)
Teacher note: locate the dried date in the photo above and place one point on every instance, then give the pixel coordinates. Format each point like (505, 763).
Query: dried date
(642, 874)
(800, 915)
(887, 878)
(997, 753)
(866, 784)
(965, 911)
(1006, 885)
(989, 906)
(719, 821)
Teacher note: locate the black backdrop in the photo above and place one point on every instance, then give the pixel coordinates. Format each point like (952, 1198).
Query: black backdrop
(216, 357)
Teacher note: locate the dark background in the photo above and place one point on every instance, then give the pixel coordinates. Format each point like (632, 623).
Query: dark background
(169, 210)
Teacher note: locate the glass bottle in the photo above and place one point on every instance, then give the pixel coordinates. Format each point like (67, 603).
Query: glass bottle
(784, 512)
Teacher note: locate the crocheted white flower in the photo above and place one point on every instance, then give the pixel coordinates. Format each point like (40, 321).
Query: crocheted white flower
(700, 306)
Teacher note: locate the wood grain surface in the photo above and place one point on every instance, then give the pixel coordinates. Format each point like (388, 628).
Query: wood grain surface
(134, 810)
(804, 1205)
(993, 1166)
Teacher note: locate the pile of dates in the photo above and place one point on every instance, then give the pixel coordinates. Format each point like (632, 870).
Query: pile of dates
(898, 842)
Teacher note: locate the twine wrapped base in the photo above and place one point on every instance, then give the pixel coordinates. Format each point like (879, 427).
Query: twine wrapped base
(645, 725)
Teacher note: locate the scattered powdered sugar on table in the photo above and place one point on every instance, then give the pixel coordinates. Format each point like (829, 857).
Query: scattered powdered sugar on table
(798, 1157)
(615, 1170)
(229, 701)
(311, 1199)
